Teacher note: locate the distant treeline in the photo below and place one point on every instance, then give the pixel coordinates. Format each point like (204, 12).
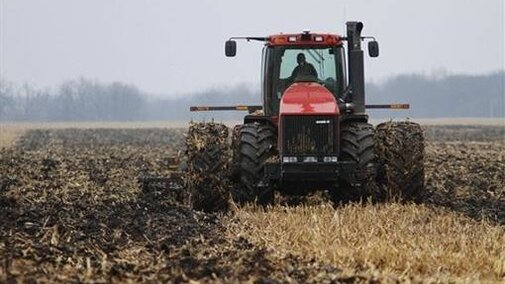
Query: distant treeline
(88, 100)
(79, 100)
(449, 96)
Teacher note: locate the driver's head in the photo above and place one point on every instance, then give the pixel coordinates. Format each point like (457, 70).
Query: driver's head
(300, 58)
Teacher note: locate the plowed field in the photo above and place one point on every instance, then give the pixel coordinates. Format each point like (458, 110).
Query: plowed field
(71, 210)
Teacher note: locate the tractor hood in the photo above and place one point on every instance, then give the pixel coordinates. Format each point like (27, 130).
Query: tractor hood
(308, 98)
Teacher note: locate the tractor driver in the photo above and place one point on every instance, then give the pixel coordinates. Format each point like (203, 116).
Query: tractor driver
(304, 69)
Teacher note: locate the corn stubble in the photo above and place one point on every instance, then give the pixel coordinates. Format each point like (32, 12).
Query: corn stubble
(456, 233)
(71, 211)
(402, 242)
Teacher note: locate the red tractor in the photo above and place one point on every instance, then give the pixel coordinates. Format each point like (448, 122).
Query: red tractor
(312, 131)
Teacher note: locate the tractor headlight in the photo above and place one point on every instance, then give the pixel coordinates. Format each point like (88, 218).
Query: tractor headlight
(287, 159)
(310, 159)
(330, 159)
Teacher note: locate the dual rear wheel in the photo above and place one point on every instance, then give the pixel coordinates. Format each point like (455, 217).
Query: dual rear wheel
(207, 158)
(400, 169)
(389, 158)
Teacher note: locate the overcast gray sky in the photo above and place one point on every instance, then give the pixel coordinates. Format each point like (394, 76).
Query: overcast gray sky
(175, 47)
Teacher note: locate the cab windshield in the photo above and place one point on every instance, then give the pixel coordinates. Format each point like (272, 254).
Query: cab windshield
(287, 65)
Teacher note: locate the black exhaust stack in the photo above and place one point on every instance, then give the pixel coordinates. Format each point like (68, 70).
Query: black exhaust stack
(356, 66)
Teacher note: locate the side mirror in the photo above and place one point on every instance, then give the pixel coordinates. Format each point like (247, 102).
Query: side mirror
(373, 48)
(230, 48)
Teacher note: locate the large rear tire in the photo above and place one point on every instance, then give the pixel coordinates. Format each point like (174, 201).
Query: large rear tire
(206, 174)
(255, 144)
(400, 150)
(358, 146)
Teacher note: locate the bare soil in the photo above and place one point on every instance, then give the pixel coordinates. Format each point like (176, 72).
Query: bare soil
(72, 211)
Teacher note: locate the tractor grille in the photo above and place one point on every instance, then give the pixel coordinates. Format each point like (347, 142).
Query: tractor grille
(308, 135)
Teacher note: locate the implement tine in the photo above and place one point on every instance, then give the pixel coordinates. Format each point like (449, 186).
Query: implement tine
(173, 181)
(173, 163)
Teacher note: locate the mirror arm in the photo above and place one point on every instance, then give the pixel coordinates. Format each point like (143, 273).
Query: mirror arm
(368, 37)
(249, 38)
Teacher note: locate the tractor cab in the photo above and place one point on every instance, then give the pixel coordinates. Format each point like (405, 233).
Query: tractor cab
(323, 54)
(322, 63)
